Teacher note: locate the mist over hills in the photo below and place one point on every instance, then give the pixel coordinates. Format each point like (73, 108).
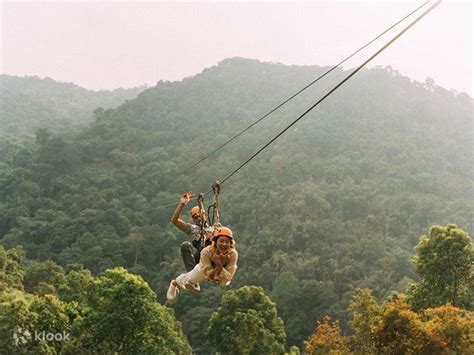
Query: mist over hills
(28, 103)
(336, 203)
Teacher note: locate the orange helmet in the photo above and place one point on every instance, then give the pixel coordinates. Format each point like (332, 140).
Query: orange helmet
(218, 231)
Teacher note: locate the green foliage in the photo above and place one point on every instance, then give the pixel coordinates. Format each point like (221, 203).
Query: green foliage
(445, 263)
(394, 328)
(451, 327)
(335, 204)
(116, 312)
(366, 314)
(327, 339)
(124, 316)
(246, 323)
(11, 269)
(76, 286)
(400, 330)
(31, 317)
(294, 350)
(28, 104)
(43, 277)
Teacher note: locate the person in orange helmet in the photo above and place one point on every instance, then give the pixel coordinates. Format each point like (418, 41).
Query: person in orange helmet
(190, 250)
(218, 264)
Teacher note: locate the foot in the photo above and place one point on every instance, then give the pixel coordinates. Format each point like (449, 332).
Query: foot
(172, 291)
(193, 287)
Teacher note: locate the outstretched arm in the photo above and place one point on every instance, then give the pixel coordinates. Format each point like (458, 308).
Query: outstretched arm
(179, 223)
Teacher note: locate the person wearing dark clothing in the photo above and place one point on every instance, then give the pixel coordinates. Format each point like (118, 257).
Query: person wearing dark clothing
(191, 250)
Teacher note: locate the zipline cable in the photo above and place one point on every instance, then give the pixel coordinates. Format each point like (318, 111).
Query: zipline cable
(286, 101)
(300, 91)
(332, 90)
(325, 96)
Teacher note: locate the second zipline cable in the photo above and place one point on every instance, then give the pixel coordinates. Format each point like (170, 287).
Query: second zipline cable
(324, 97)
(332, 90)
(301, 90)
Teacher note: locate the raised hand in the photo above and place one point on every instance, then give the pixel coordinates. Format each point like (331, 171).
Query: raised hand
(187, 196)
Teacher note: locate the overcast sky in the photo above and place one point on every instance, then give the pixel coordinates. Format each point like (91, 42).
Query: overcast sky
(106, 45)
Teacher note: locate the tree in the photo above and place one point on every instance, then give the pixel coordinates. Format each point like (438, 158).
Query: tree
(123, 316)
(77, 285)
(11, 269)
(316, 206)
(246, 323)
(451, 327)
(43, 275)
(25, 320)
(401, 331)
(135, 237)
(445, 263)
(327, 339)
(394, 328)
(116, 312)
(366, 314)
(42, 136)
(98, 113)
(58, 155)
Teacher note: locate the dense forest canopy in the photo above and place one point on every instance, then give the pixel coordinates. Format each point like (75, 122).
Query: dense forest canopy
(337, 203)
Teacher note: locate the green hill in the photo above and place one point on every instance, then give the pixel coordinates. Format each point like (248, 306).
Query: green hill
(336, 203)
(29, 103)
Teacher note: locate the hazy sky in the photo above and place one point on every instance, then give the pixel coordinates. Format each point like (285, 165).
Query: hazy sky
(105, 45)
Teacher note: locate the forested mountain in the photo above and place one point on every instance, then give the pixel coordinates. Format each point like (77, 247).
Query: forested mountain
(335, 204)
(29, 103)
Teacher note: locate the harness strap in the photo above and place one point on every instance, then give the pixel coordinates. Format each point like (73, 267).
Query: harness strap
(202, 211)
(216, 189)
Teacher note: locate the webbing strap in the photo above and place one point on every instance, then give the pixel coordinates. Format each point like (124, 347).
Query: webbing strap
(216, 189)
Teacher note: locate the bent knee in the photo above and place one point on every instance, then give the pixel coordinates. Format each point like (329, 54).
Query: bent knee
(186, 246)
